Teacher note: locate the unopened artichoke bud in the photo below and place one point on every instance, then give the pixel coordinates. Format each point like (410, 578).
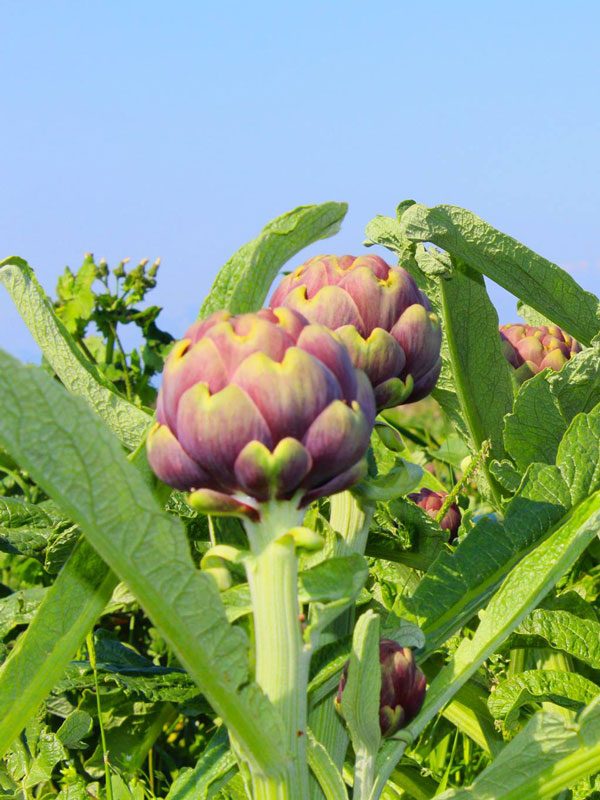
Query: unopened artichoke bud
(379, 313)
(530, 349)
(260, 407)
(431, 502)
(403, 687)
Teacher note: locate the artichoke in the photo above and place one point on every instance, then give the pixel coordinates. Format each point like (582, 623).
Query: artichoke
(260, 407)
(431, 502)
(403, 687)
(381, 316)
(530, 348)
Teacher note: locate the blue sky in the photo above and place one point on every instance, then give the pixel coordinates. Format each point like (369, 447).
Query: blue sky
(179, 129)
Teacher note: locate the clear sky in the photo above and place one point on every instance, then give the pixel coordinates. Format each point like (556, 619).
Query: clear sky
(179, 129)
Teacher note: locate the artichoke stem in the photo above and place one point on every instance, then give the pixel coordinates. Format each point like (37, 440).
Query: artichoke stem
(282, 658)
(351, 518)
(364, 775)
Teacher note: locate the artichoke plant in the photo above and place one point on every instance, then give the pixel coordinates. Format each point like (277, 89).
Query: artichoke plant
(530, 348)
(260, 407)
(403, 687)
(379, 313)
(431, 502)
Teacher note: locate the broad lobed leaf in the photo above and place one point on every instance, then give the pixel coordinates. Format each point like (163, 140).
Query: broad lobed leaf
(550, 754)
(243, 282)
(538, 282)
(80, 464)
(459, 583)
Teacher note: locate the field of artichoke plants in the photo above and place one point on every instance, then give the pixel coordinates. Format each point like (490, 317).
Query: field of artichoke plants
(348, 549)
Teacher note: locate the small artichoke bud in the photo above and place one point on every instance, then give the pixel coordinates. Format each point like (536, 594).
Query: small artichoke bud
(431, 502)
(154, 269)
(403, 687)
(530, 349)
(379, 313)
(102, 269)
(260, 407)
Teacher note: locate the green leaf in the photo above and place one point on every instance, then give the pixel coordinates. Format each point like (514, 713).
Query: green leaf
(478, 367)
(360, 698)
(325, 771)
(459, 583)
(561, 630)
(77, 461)
(539, 686)
(452, 451)
(243, 283)
(69, 609)
(530, 315)
(530, 580)
(401, 479)
(121, 666)
(79, 376)
(213, 770)
(506, 474)
(75, 292)
(331, 587)
(550, 754)
(335, 579)
(19, 608)
(542, 285)
(76, 727)
(546, 405)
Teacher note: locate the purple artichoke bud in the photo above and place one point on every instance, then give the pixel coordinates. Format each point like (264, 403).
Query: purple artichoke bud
(403, 687)
(530, 349)
(431, 502)
(263, 406)
(381, 316)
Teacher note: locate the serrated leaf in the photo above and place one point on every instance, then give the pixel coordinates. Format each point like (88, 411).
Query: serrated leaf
(523, 589)
(546, 405)
(79, 376)
(458, 583)
(548, 755)
(243, 283)
(78, 462)
(539, 283)
(506, 474)
(539, 686)
(75, 292)
(562, 630)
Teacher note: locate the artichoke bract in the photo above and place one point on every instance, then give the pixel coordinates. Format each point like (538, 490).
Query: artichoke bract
(379, 313)
(431, 502)
(403, 687)
(530, 348)
(260, 407)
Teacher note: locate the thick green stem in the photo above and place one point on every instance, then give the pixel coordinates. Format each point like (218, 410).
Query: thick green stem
(364, 775)
(281, 657)
(351, 518)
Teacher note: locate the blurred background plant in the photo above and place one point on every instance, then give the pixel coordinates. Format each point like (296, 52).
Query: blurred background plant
(99, 307)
